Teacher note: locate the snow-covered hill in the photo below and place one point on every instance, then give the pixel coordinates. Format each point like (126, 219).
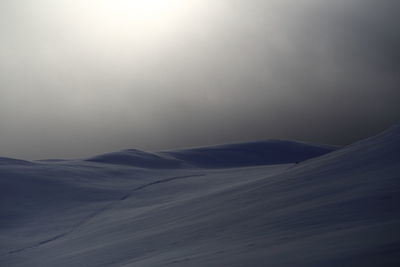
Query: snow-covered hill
(222, 156)
(249, 154)
(134, 208)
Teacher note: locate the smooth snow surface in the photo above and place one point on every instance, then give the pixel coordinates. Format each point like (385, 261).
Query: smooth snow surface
(181, 208)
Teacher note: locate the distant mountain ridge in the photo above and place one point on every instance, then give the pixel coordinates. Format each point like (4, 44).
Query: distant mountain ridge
(220, 156)
(10, 161)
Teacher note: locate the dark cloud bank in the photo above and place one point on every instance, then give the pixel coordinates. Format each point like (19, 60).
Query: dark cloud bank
(312, 70)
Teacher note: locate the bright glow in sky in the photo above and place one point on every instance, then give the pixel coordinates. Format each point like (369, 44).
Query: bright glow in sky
(146, 11)
(151, 18)
(127, 31)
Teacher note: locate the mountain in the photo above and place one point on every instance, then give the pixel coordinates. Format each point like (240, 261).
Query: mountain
(336, 209)
(135, 157)
(221, 156)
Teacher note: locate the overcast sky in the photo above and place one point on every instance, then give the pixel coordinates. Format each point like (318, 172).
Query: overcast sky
(82, 77)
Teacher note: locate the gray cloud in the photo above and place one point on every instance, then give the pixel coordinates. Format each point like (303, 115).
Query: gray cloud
(72, 85)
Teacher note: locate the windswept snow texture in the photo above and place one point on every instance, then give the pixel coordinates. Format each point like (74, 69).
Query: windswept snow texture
(339, 209)
(222, 156)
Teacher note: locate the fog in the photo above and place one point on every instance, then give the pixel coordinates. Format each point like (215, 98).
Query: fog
(79, 78)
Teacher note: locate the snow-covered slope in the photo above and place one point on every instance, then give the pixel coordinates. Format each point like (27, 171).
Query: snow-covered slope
(339, 209)
(222, 156)
(9, 161)
(250, 154)
(134, 157)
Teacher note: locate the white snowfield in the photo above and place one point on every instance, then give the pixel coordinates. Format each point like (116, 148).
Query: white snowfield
(234, 205)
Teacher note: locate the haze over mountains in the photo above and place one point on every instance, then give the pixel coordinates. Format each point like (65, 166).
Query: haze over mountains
(269, 203)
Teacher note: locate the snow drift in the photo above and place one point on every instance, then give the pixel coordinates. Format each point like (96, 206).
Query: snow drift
(339, 209)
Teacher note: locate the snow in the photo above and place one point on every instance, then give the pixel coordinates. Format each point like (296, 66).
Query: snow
(234, 205)
(220, 156)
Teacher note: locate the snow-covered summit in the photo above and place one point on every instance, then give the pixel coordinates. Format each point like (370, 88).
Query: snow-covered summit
(138, 158)
(10, 161)
(250, 154)
(220, 156)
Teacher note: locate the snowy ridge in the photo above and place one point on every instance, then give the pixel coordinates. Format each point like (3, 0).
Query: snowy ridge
(10, 161)
(250, 154)
(338, 209)
(222, 156)
(134, 157)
